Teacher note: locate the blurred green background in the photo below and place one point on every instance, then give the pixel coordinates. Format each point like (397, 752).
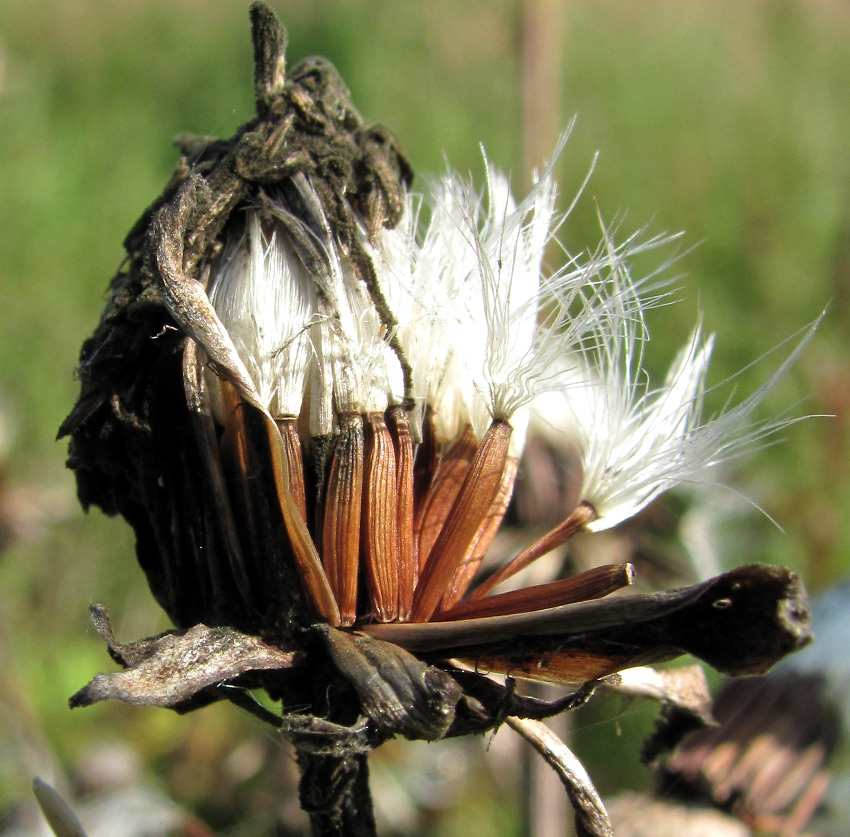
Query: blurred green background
(728, 120)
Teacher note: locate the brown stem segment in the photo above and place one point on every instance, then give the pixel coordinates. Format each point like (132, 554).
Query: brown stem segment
(591, 818)
(581, 516)
(334, 791)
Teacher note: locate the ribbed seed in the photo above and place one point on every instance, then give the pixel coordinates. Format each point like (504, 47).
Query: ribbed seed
(442, 493)
(474, 501)
(581, 516)
(341, 524)
(307, 562)
(593, 584)
(234, 447)
(408, 567)
(424, 466)
(199, 404)
(379, 532)
(483, 538)
(288, 428)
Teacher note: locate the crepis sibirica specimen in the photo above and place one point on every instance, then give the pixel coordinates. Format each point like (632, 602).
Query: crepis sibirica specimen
(309, 395)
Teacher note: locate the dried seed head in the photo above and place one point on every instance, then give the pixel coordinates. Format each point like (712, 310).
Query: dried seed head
(311, 389)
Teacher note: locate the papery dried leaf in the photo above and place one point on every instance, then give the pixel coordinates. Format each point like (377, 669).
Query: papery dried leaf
(173, 668)
(685, 688)
(185, 297)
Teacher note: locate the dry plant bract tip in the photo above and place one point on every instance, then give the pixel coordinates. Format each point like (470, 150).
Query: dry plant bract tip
(309, 395)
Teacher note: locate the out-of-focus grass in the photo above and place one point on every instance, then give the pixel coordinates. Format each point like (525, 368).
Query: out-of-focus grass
(727, 120)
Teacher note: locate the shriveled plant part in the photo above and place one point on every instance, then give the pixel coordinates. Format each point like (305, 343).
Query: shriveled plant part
(309, 395)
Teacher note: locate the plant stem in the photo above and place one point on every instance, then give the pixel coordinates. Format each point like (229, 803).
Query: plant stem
(334, 791)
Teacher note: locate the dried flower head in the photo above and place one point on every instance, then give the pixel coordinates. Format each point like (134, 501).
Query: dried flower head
(309, 395)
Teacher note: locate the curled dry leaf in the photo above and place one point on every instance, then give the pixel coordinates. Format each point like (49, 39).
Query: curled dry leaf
(171, 669)
(685, 687)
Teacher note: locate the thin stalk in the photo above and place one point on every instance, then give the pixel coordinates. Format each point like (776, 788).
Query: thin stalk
(334, 792)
